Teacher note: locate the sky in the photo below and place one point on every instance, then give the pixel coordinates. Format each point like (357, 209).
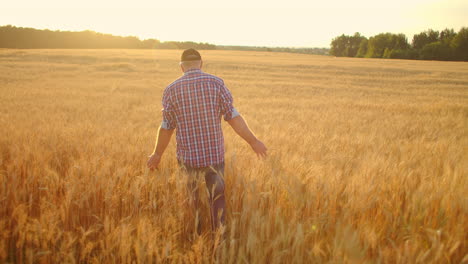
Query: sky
(287, 23)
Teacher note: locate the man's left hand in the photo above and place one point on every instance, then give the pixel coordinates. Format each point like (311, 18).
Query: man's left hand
(153, 161)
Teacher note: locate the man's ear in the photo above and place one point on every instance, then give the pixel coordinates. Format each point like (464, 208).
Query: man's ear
(201, 64)
(182, 68)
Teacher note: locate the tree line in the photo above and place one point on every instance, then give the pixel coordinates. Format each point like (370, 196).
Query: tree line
(427, 45)
(30, 38)
(316, 51)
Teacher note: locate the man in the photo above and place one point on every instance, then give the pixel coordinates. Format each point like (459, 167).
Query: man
(193, 106)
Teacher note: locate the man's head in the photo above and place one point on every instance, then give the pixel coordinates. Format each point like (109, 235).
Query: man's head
(190, 59)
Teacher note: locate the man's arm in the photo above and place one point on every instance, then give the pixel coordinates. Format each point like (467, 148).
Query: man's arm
(162, 140)
(240, 127)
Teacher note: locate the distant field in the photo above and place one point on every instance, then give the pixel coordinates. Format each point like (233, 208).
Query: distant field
(368, 160)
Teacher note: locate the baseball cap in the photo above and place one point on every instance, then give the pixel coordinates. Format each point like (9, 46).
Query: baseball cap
(190, 55)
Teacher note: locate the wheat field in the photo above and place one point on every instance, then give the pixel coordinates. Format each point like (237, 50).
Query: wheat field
(368, 160)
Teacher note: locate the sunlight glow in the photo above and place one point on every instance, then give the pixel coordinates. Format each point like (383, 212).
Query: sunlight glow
(261, 23)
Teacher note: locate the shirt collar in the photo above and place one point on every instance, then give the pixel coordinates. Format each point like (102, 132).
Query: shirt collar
(192, 71)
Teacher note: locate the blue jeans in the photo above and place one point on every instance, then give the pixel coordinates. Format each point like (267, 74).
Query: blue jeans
(215, 184)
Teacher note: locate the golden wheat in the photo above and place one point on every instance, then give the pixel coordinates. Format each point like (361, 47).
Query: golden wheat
(368, 160)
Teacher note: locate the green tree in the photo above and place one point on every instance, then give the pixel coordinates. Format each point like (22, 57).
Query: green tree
(447, 35)
(339, 46)
(436, 51)
(424, 38)
(362, 48)
(386, 41)
(460, 45)
(346, 46)
(354, 44)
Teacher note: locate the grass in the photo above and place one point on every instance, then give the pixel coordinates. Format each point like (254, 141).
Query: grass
(367, 160)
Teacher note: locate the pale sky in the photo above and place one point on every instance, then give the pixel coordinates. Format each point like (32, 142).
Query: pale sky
(290, 23)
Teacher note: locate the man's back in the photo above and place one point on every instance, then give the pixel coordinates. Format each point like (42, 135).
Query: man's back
(194, 104)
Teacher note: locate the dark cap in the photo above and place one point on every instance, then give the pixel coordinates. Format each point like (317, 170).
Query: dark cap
(190, 55)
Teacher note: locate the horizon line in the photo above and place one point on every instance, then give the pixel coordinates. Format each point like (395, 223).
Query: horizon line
(142, 39)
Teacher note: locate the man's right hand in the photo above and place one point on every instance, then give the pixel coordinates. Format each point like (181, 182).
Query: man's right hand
(240, 127)
(259, 148)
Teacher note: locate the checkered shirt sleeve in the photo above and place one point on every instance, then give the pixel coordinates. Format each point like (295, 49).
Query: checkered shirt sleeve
(169, 121)
(226, 104)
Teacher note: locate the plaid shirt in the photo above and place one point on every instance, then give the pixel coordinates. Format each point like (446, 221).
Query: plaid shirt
(193, 105)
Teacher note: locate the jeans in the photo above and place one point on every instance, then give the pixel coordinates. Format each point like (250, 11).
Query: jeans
(215, 184)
